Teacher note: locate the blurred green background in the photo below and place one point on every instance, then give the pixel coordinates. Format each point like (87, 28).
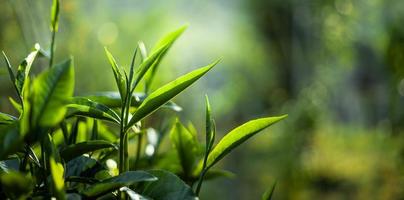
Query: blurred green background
(335, 66)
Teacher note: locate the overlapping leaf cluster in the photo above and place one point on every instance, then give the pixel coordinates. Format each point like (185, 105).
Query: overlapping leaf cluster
(66, 146)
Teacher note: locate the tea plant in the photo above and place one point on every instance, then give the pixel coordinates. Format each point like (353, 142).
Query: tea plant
(65, 146)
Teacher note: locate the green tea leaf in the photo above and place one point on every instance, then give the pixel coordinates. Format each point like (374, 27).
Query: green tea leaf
(118, 74)
(269, 193)
(143, 51)
(88, 108)
(210, 127)
(125, 179)
(55, 16)
(16, 105)
(58, 182)
(81, 148)
(10, 140)
(23, 71)
(170, 38)
(6, 118)
(113, 99)
(83, 166)
(50, 93)
(132, 68)
(238, 136)
(146, 64)
(186, 145)
(11, 73)
(167, 187)
(218, 173)
(132, 194)
(167, 92)
(166, 42)
(16, 185)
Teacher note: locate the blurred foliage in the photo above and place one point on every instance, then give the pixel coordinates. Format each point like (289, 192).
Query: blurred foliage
(335, 66)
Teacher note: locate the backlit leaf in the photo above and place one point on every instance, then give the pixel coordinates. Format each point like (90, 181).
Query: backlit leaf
(118, 74)
(58, 182)
(23, 71)
(51, 91)
(86, 107)
(167, 92)
(186, 145)
(237, 136)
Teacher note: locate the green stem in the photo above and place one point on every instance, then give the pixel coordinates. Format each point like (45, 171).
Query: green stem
(23, 163)
(121, 144)
(43, 162)
(52, 49)
(201, 176)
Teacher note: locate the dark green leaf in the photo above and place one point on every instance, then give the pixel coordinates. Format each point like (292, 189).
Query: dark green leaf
(16, 185)
(81, 148)
(86, 107)
(132, 194)
(83, 166)
(186, 145)
(11, 73)
(167, 187)
(167, 92)
(50, 92)
(11, 140)
(268, 194)
(74, 131)
(118, 74)
(132, 68)
(94, 131)
(125, 179)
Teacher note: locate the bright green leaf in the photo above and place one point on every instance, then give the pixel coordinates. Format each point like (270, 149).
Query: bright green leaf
(118, 74)
(16, 105)
(167, 92)
(55, 16)
(166, 42)
(23, 71)
(58, 182)
(210, 127)
(6, 118)
(186, 145)
(50, 93)
(237, 136)
(113, 99)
